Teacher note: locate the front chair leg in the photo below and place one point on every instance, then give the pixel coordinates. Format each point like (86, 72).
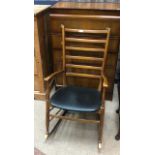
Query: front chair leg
(101, 118)
(47, 120)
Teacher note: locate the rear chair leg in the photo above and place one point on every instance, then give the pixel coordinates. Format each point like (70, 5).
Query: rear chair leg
(47, 121)
(101, 118)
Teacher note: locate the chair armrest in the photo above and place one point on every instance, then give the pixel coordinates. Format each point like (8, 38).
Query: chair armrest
(49, 79)
(53, 75)
(105, 82)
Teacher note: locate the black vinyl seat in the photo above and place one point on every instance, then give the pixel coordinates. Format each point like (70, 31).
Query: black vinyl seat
(77, 99)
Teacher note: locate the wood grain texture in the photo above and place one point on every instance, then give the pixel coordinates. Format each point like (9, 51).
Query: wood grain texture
(83, 58)
(83, 67)
(83, 22)
(85, 40)
(42, 65)
(82, 75)
(39, 96)
(81, 30)
(93, 6)
(86, 49)
(39, 79)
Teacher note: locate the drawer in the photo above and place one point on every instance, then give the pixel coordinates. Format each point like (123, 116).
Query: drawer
(55, 42)
(55, 22)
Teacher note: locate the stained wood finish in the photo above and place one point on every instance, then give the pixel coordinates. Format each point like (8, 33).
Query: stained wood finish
(83, 67)
(39, 96)
(106, 31)
(38, 65)
(86, 49)
(83, 58)
(72, 16)
(89, 6)
(81, 30)
(42, 63)
(65, 32)
(55, 40)
(82, 75)
(75, 119)
(85, 40)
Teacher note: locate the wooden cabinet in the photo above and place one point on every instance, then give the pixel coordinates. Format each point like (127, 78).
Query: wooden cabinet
(42, 61)
(38, 69)
(73, 15)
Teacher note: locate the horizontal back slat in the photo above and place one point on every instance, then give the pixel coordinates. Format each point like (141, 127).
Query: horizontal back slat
(86, 31)
(83, 75)
(86, 49)
(85, 40)
(83, 67)
(83, 58)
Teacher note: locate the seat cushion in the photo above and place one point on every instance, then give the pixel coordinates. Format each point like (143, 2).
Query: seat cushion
(76, 99)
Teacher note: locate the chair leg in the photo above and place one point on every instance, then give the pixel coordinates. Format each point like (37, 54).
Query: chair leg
(58, 123)
(47, 120)
(117, 137)
(101, 118)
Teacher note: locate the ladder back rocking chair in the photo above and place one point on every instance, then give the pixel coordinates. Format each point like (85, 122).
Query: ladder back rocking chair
(75, 98)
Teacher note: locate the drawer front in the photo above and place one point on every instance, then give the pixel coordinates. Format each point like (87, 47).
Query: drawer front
(55, 40)
(83, 23)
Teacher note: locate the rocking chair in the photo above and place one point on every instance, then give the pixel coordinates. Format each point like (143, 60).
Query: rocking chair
(75, 98)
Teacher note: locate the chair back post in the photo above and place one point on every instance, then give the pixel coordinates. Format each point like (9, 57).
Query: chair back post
(106, 50)
(104, 61)
(63, 54)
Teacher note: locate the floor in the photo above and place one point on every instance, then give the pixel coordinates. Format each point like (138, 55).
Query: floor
(74, 138)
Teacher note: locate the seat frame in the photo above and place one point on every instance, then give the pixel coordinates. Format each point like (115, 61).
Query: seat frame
(103, 82)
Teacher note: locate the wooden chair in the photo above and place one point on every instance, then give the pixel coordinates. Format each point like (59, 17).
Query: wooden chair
(80, 99)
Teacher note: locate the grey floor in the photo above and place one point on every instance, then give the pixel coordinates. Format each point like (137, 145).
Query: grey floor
(73, 138)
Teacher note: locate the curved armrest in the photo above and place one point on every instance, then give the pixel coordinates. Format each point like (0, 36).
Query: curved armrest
(53, 75)
(105, 81)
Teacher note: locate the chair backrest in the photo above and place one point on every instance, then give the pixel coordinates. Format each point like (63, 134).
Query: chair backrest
(84, 53)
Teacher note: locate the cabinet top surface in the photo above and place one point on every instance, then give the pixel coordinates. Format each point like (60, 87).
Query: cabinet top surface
(77, 5)
(87, 5)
